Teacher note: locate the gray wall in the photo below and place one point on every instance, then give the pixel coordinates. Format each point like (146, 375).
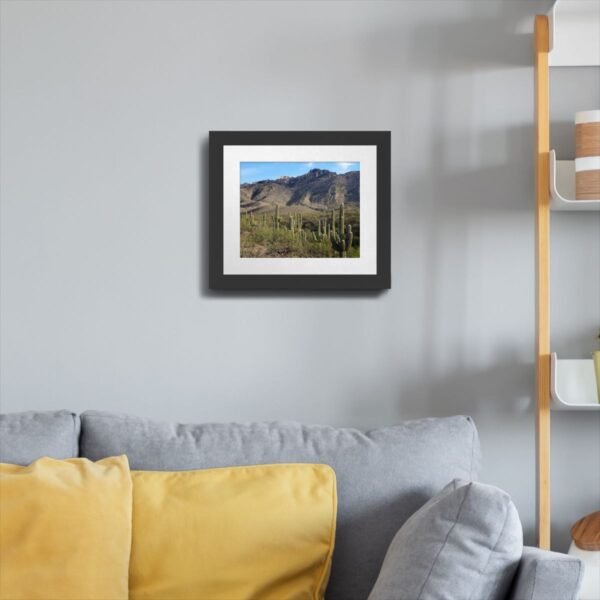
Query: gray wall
(105, 112)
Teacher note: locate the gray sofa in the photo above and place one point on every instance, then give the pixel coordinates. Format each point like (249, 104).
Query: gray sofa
(383, 476)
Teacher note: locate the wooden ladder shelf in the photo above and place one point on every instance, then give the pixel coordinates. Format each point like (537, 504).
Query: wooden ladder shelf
(542, 176)
(567, 36)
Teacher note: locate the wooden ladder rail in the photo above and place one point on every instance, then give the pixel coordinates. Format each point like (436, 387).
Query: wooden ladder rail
(542, 243)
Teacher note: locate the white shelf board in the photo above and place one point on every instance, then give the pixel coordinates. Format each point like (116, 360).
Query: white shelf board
(574, 33)
(574, 380)
(562, 187)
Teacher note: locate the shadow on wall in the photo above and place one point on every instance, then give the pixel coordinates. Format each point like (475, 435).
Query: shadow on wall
(493, 35)
(449, 206)
(203, 227)
(450, 199)
(471, 392)
(480, 393)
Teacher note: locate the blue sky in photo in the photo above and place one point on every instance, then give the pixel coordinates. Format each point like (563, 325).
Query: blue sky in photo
(257, 171)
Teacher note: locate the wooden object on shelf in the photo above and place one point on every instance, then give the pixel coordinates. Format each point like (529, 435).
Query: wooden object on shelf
(587, 133)
(587, 139)
(587, 182)
(586, 532)
(587, 154)
(542, 200)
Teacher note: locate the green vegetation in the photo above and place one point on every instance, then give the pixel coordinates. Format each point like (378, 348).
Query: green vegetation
(300, 233)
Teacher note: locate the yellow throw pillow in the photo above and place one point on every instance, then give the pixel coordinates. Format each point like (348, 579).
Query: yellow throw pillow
(65, 529)
(240, 533)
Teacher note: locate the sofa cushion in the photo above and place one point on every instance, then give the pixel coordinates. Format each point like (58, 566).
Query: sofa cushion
(383, 476)
(465, 543)
(264, 532)
(27, 436)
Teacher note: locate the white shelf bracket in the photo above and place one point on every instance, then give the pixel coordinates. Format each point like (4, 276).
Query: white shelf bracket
(573, 384)
(562, 187)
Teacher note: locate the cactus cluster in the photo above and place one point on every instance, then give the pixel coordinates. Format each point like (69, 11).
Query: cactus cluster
(252, 219)
(339, 236)
(331, 230)
(296, 222)
(343, 243)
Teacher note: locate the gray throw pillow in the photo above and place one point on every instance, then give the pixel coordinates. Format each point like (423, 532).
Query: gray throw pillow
(464, 544)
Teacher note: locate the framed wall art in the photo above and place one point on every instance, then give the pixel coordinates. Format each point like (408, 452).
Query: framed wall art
(299, 210)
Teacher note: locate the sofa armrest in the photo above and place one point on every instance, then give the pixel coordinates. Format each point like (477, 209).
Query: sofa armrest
(544, 575)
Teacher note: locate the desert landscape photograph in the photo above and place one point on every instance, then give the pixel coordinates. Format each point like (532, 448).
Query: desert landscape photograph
(300, 209)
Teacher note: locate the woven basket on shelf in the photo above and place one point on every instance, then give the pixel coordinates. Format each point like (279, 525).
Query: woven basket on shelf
(587, 155)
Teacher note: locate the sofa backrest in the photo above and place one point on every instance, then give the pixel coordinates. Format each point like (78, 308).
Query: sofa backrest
(383, 476)
(27, 436)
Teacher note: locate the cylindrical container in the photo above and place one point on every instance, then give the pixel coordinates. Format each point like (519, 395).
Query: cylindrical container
(587, 155)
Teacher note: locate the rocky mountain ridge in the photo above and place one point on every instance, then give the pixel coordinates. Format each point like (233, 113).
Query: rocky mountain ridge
(319, 189)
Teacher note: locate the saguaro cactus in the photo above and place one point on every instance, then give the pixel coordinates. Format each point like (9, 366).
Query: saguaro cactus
(341, 241)
(349, 237)
(338, 244)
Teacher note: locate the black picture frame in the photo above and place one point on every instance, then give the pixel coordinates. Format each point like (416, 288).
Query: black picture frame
(380, 280)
